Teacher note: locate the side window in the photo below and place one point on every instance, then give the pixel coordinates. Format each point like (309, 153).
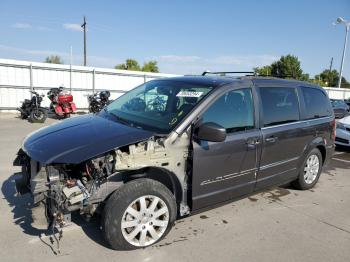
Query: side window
(234, 111)
(280, 105)
(316, 103)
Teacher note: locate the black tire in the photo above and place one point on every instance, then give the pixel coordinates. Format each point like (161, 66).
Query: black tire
(24, 116)
(301, 183)
(121, 199)
(38, 116)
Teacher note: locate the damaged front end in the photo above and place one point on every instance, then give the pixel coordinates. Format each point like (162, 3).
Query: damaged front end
(60, 189)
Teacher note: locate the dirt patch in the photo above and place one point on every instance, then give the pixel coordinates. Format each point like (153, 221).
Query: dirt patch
(275, 194)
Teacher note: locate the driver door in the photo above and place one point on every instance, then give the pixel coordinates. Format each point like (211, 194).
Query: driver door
(226, 170)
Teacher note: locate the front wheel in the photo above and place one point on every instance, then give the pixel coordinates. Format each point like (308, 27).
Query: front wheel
(138, 214)
(310, 170)
(38, 115)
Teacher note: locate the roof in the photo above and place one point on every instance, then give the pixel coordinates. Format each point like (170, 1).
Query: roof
(202, 80)
(222, 80)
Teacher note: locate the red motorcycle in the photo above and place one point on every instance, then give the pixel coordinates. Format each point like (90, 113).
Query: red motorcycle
(61, 103)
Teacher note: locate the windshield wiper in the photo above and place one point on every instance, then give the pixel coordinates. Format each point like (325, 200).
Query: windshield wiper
(121, 120)
(125, 121)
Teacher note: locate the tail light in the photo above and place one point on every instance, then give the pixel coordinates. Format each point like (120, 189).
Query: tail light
(334, 128)
(73, 107)
(58, 110)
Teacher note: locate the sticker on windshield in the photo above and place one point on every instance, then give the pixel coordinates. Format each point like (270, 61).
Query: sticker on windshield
(189, 94)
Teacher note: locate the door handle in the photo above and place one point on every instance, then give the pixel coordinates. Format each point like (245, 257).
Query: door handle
(253, 142)
(271, 139)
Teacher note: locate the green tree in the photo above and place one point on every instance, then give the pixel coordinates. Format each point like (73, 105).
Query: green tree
(329, 78)
(344, 83)
(150, 66)
(133, 65)
(305, 77)
(263, 71)
(130, 64)
(287, 67)
(318, 81)
(54, 59)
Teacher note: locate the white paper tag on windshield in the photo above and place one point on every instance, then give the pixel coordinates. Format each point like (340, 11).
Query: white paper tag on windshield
(189, 94)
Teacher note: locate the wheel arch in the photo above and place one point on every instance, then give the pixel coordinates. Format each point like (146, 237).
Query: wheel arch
(163, 176)
(317, 143)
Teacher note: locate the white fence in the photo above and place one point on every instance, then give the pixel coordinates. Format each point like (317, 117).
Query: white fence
(338, 93)
(18, 77)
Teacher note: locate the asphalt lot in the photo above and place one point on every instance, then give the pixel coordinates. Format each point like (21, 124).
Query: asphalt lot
(283, 224)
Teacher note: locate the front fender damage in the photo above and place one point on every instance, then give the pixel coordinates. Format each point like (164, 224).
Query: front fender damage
(59, 189)
(170, 154)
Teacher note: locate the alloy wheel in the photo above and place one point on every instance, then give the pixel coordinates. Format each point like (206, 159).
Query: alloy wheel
(145, 221)
(311, 169)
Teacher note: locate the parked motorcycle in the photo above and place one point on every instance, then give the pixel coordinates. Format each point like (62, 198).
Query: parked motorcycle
(32, 110)
(61, 103)
(98, 101)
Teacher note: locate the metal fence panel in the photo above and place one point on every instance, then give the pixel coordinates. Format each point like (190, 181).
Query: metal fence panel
(18, 77)
(338, 93)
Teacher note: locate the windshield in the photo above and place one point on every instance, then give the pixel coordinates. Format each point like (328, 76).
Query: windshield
(158, 105)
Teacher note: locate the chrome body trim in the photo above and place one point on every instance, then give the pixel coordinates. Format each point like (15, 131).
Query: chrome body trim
(298, 122)
(278, 163)
(229, 176)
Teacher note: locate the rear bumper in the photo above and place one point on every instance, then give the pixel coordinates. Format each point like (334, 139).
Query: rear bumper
(329, 154)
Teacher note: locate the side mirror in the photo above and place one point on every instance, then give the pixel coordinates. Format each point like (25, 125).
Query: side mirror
(211, 132)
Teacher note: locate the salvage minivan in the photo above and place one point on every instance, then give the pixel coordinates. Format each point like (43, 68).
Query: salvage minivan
(174, 147)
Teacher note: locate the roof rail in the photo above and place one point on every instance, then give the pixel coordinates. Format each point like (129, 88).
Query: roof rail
(228, 72)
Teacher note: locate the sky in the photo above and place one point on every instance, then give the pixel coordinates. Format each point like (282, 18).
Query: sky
(184, 36)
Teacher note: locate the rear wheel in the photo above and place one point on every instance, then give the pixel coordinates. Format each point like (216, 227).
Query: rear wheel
(138, 215)
(38, 115)
(310, 170)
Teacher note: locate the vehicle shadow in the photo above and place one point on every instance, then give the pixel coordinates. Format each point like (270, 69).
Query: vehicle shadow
(52, 115)
(92, 229)
(344, 149)
(21, 207)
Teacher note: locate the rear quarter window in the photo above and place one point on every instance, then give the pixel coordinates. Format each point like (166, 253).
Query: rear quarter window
(280, 105)
(316, 103)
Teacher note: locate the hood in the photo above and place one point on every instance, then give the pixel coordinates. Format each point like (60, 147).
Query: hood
(345, 120)
(75, 140)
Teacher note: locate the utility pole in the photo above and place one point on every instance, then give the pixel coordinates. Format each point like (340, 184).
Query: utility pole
(331, 65)
(330, 72)
(84, 27)
(70, 69)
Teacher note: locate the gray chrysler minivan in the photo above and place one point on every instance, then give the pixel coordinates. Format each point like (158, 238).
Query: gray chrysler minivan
(176, 146)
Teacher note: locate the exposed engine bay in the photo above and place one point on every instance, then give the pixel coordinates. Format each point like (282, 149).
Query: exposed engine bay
(59, 189)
